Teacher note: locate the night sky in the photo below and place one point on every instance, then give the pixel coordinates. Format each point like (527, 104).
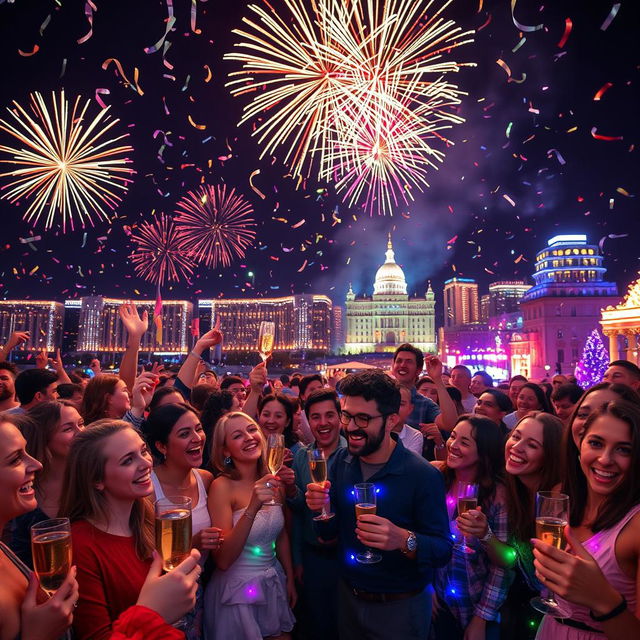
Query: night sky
(463, 225)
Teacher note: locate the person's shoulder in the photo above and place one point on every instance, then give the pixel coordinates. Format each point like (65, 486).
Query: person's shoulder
(206, 477)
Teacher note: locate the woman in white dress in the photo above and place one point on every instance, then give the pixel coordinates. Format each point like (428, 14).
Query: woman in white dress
(177, 441)
(252, 590)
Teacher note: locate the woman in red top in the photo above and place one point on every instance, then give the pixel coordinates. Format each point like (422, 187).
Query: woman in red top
(107, 481)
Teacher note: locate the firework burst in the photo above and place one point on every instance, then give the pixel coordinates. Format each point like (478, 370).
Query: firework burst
(326, 76)
(160, 254)
(215, 224)
(65, 163)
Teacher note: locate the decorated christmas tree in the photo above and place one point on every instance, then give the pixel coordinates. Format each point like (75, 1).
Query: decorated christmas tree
(594, 361)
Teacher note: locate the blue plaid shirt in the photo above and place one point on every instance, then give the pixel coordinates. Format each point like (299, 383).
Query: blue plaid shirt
(425, 410)
(470, 584)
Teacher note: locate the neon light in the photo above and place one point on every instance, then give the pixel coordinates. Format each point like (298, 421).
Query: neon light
(573, 239)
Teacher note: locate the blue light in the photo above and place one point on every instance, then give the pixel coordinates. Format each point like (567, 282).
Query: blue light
(453, 592)
(377, 489)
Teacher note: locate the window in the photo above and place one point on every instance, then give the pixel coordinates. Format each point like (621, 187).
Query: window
(559, 334)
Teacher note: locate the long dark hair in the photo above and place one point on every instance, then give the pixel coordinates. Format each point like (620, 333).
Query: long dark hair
(569, 454)
(618, 504)
(290, 437)
(543, 400)
(161, 421)
(489, 439)
(520, 500)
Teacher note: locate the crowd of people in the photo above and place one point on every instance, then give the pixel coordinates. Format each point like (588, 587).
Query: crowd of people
(284, 555)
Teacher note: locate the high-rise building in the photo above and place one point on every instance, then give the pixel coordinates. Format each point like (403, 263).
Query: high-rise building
(461, 302)
(337, 328)
(484, 308)
(389, 317)
(505, 297)
(43, 319)
(100, 328)
(563, 307)
(72, 310)
(303, 322)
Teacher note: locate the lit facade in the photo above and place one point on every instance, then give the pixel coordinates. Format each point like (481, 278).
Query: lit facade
(505, 297)
(100, 328)
(461, 304)
(621, 324)
(43, 319)
(562, 308)
(303, 322)
(388, 318)
(337, 328)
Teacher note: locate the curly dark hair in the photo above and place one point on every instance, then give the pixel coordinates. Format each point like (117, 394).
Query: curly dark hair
(373, 384)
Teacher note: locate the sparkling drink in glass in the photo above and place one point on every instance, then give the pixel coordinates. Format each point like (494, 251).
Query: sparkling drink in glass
(173, 530)
(318, 469)
(366, 504)
(51, 551)
(467, 496)
(552, 516)
(275, 459)
(266, 339)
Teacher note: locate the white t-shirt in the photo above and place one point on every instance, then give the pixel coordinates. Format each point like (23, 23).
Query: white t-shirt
(412, 439)
(469, 403)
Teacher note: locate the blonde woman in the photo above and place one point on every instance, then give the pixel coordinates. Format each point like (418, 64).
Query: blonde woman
(252, 589)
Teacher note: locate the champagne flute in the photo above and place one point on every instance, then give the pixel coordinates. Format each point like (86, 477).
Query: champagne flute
(173, 530)
(552, 516)
(366, 503)
(51, 550)
(275, 458)
(467, 495)
(266, 339)
(318, 469)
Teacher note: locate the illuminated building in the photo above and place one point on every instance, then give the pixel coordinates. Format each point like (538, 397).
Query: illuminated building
(484, 308)
(337, 328)
(461, 302)
(303, 322)
(72, 310)
(622, 321)
(505, 297)
(562, 308)
(100, 328)
(389, 317)
(43, 319)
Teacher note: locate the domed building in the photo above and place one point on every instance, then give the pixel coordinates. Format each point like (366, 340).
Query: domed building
(388, 318)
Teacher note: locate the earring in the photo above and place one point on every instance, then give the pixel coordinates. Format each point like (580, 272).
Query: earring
(227, 461)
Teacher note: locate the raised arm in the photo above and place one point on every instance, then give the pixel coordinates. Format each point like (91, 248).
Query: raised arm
(189, 366)
(136, 327)
(448, 413)
(257, 380)
(16, 338)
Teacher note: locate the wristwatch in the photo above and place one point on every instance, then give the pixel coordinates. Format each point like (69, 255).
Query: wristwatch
(411, 543)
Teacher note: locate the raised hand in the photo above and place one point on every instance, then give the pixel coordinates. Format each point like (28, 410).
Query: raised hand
(143, 389)
(42, 359)
(258, 377)
(16, 338)
(209, 339)
(433, 366)
(135, 324)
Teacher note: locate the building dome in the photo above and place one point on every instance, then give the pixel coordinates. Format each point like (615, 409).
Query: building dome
(390, 277)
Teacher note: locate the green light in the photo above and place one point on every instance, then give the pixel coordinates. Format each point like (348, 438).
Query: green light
(256, 551)
(532, 623)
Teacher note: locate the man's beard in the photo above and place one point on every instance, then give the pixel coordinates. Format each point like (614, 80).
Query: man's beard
(6, 394)
(371, 444)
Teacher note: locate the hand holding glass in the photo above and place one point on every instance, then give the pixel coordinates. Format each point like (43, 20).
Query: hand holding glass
(467, 495)
(366, 504)
(275, 459)
(51, 550)
(173, 530)
(552, 516)
(318, 469)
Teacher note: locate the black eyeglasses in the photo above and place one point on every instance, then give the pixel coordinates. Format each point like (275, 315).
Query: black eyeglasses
(361, 420)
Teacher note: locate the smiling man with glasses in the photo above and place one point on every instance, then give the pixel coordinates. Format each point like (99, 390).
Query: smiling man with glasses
(390, 598)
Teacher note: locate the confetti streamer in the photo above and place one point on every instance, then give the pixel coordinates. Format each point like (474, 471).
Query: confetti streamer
(508, 131)
(135, 80)
(601, 91)
(209, 74)
(89, 8)
(171, 20)
(64, 68)
(609, 19)
(27, 54)
(104, 92)
(45, 24)
(522, 41)
(568, 25)
(598, 136)
(197, 126)
(298, 224)
(115, 61)
(558, 155)
(256, 173)
(303, 267)
(505, 66)
(523, 27)
(193, 17)
(508, 199)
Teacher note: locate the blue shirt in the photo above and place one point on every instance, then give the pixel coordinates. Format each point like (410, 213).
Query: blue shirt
(425, 410)
(411, 495)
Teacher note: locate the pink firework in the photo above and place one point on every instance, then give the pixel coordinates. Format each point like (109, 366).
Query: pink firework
(160, 254)
(215, 224)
